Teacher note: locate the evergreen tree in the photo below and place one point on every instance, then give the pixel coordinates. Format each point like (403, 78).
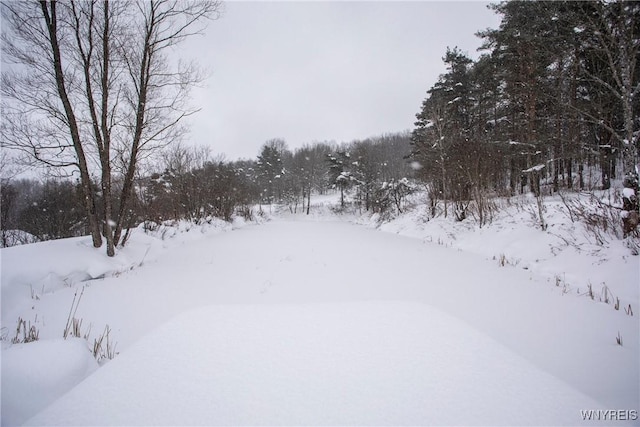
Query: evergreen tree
(271, 169)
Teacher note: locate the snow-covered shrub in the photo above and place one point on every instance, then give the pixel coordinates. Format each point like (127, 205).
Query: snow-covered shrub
(245, 212)
(483, 208)
(600, 218)
(10, 238)
(391, 197)
(460, 209)
(149, 226)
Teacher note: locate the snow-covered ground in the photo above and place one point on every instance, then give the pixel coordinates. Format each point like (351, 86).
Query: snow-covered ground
(566, 253)
(317, 320)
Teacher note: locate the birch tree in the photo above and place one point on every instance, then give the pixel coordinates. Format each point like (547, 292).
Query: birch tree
(93, 89)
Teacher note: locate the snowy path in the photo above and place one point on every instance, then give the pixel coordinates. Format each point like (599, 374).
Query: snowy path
(296, 322)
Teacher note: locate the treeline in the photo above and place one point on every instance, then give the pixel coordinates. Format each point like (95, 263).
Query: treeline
(551, 104)
(190, 183)
(193, 186)
(44, 210)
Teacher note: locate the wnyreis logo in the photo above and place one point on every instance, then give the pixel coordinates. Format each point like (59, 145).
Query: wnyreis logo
(609, 414)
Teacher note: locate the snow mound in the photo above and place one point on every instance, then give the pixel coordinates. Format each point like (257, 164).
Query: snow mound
(52, 367)
(45, 267)
(30, 271)
(373, 363)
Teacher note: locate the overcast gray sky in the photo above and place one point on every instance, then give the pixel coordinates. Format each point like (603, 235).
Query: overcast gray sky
(322, 71)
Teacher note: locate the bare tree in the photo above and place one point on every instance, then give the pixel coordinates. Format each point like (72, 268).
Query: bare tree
(94, 90)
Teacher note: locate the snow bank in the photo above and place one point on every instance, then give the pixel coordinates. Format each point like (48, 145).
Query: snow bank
(36, 374)
(30, 271)
(564, 253)
(370, 363)
(45, 267)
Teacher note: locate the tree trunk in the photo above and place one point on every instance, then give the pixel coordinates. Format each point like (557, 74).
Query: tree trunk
(630, 151)
(444, 188)
(85, 178)
(556, 173)
(127, 186)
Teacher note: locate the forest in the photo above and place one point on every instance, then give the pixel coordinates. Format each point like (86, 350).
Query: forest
(550, 106)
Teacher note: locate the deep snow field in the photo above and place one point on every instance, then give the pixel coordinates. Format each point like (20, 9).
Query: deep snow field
(328, 319)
